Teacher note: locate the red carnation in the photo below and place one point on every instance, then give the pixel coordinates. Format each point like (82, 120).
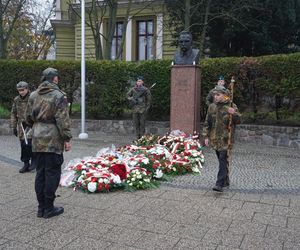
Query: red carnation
(119, 169)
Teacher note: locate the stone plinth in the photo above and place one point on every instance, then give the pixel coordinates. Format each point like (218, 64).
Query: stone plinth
(185, 98)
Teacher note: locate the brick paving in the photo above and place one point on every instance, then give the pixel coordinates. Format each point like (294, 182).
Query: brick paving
(261, 210)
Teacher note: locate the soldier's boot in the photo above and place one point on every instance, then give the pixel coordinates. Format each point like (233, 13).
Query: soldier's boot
(227, 182)
(50, 210)
(218, 188)
(40, 212)
(31, 167)
(54, 211)
(25, 168)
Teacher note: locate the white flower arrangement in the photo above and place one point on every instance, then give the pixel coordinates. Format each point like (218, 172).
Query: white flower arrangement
(137, 167)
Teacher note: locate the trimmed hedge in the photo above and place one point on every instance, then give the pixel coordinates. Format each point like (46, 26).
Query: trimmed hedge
(263, 84)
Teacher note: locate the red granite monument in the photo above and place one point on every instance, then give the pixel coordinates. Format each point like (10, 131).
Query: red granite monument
(185, 98)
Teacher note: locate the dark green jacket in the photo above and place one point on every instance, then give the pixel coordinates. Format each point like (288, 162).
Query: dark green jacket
(139, 99)
(17, 115)
(48, 114)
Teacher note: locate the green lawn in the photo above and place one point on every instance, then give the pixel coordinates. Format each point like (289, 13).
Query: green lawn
(4, 113)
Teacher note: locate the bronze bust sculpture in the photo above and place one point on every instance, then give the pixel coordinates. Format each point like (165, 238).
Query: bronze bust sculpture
(186, 55)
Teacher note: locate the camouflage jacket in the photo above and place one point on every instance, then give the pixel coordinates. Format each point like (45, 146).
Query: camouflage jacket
(216, 125)
(48, 114)
(139, 99)
(17, 115)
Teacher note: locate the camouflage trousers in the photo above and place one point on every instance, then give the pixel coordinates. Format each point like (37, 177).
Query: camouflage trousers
(139, 120)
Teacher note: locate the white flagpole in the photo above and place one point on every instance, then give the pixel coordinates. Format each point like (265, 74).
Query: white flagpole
(83, 134)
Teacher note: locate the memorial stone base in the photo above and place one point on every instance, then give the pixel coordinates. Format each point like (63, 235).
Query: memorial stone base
(185, 98)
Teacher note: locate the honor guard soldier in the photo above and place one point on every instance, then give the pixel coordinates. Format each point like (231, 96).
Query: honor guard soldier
(139, 98)
(18, 125)
(216, 129)
(48, 115)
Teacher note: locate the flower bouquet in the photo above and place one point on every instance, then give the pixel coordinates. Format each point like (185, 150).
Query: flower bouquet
(139, 178)
(139, 166)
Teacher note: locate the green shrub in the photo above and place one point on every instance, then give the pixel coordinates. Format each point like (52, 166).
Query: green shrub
(4, 113)
(264, 85)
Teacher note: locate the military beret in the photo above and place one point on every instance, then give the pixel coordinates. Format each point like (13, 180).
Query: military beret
(50, 72)
(221, 89)
(140, 78)
(221, 77)
(22, 84)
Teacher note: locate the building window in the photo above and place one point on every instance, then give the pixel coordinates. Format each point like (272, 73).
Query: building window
(116, 42)
(145, 40)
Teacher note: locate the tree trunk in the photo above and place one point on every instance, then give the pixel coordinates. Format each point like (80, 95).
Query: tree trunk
(98, 43)
(113, 5)
(124, 30)
(2, 40)
(205, 24)
(187, 17)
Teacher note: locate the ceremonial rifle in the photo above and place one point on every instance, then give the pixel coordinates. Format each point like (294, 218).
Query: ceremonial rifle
(25, 134)
(152, 85)
(230, 125)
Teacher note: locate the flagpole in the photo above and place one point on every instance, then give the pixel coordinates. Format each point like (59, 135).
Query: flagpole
(83, 134)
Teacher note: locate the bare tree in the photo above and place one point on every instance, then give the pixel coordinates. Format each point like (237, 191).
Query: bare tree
(10, 12)
(32, 35)
(198, 15)
(42, 29)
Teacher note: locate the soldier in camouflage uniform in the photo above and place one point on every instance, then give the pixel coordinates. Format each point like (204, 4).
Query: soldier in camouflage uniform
(139, 99)
(210, 97)
(48, 115)
(17, 118)
(216, 131)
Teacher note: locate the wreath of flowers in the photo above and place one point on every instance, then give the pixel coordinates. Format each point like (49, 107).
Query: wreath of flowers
(138, 166)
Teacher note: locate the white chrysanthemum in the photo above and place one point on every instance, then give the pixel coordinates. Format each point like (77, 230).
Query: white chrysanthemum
(116, 179)
(158, 173)
(83, 172)
(100, 180)
(133, 179)
(106, 181)
(195, 169)
(145, 161)
(147, 180)
(92, 187)
(132, 163)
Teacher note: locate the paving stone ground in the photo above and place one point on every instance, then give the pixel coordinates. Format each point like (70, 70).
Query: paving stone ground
(261, 210)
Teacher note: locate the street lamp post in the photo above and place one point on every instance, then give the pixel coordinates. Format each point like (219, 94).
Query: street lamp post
(83, 134)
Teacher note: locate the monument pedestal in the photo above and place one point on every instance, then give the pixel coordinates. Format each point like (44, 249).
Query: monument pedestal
(185, 98)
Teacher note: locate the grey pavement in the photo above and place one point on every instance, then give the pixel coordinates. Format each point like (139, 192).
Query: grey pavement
(261, 210)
